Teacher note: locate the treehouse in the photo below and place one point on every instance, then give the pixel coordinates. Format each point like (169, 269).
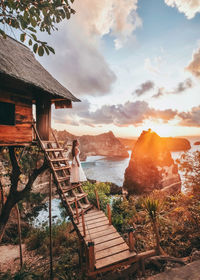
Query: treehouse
(23, 83)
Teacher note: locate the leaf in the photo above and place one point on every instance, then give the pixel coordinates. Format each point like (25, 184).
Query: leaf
(47, 51)
(30, 42)
(40, 51)
(3, 33)
(33, 22)
(51, 49)
(35, 48)
(32, 29)
(22, 37)
(34, 37)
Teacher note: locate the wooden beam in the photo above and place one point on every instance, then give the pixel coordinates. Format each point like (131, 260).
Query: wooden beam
(91, 256)
(109, 214)
(131, 241)
(97, 198)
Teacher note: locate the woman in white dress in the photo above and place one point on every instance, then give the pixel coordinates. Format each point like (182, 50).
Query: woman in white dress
(77, 173)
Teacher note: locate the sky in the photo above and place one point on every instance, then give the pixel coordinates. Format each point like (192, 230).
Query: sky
(135, 64)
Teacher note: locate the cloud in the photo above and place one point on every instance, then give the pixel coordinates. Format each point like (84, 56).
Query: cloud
(148, 65)
(194, 65)
(160, 92)
(144, 87)
(122, 115)
(191, 118)
(180, 88)
(79, 63)
(183, 86)
(188, 7)
(100, 18)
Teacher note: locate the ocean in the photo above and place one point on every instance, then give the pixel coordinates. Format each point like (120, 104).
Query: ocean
(106, 169)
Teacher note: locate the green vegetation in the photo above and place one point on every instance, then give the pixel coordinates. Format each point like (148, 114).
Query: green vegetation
(30, 16)
(103, 191)
(177, 219)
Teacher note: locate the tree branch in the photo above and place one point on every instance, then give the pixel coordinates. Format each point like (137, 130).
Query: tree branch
(32, 177)
(14, 178)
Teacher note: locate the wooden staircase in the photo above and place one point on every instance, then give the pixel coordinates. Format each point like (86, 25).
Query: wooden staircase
(101, 244)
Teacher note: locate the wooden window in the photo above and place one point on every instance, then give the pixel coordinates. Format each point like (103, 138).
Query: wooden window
(7, 113)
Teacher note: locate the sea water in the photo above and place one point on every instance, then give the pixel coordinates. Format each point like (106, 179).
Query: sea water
(105, 169)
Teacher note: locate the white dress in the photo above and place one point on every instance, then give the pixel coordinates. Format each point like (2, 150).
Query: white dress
(77, 173)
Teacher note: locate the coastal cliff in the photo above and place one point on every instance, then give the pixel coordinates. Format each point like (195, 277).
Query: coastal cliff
(151, 166)
(105, 144)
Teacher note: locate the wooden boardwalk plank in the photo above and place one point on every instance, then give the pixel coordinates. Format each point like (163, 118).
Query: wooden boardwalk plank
(94, 235)
(108, 244)
(93, 216)
(107, 237)
(111, 251)
(114, 259)
(98, 220)
(94, 225)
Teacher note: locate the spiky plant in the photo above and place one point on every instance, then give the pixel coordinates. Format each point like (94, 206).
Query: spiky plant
(152, 206)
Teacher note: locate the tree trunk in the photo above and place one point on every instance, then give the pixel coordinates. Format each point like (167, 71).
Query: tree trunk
(14, 195)
(155, 229)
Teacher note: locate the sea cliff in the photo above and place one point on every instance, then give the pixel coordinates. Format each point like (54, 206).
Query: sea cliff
(105, 144)
(151, 166)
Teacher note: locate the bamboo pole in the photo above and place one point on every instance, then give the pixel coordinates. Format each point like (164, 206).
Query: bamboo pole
(83, 223)
(97, 199)
(19, 233)
(50, 229)
(109, 214)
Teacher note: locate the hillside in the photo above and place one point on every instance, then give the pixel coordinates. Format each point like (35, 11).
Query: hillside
(105, 144)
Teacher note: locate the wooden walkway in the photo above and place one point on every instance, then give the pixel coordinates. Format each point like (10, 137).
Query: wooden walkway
(109, 247)
(100, 244)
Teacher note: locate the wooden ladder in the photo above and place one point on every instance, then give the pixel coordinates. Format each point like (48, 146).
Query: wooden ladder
(73, 198)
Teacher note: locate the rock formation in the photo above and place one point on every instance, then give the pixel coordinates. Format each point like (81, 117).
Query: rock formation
(176, 144)
(151, 166)
(105, 144)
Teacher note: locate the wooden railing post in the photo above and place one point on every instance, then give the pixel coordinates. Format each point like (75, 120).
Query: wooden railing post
(91, 256)
(97, 199)
(83, 223)
(76, 205)
(19, 234)
(109, 214)
(131, 240)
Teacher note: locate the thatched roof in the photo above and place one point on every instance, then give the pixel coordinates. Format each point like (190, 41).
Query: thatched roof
(18, 62)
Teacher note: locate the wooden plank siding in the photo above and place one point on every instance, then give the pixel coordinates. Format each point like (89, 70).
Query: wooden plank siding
(21, 132)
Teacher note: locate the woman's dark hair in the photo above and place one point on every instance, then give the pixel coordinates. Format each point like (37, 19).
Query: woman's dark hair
(74, 143)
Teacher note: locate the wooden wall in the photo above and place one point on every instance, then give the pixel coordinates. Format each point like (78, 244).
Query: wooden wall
(21, 132)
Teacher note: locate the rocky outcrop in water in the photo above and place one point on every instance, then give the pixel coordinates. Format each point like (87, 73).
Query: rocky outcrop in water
(176, 144)
(105, 144)
(151, 167)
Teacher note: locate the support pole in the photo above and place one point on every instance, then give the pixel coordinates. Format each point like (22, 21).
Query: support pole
(19, 233)
(97, 199)
(109, 214)
(76, 205)
(91, 255)
(131, 240)
(83, 223)
(50, 228)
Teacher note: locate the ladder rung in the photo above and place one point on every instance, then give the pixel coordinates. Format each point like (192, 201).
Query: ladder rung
(78, 197)
(62, 179)
(61, 168)
(58, 159)
(54, 150)
(71, 187)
